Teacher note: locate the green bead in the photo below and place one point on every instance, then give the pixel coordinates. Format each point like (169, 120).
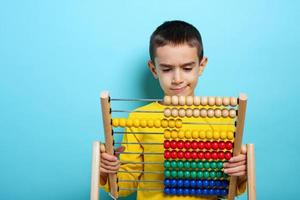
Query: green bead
(187, 164)
(180, 174)
(194, 174)
(220, 165)
(219, 174)
(180, 164)
(213, 165)
(212, 174)
(206, 165)
(174, 174)
(206, 174)
(200, 165)
(167, 164)
(200, 174)
(173, 164)
(167, 173)
(193, 164)
(187, 174)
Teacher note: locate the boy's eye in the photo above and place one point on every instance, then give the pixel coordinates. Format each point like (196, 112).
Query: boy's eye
(187, 68)
(166, 69)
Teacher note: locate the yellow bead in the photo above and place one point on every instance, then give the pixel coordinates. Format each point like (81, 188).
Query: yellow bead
(202, 134)
(178, 123)
(188, 134)
(136, 123)
(115, 122)
(167, 134)
(216, 135)
(209, 134)
(171, 123)
(157, 123)
(122, 122)
(195, 134)
(164, 123)
(230, 135)
(174, 134)
(150, 123)
(143, 123)
(129, 123)
(223, 135)
(181, 134)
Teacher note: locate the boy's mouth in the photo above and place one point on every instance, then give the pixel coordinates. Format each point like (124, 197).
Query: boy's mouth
(178, 90)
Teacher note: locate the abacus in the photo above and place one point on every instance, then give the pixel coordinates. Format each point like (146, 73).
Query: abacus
(192, 159)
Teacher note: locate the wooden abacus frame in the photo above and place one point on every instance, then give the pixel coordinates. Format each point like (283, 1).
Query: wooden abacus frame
(106, 115)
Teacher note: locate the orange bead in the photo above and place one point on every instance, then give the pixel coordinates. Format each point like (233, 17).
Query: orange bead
(174, 134)
(167, 134)
(180, 134)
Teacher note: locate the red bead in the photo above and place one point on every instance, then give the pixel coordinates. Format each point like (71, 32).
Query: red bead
(194, 155)
(173, 144)
(200, 155)
(221, 155)
(167, 154)
(215, 145)
(167, 144)
(207, 155)
(222, 145)
(227, 155)
(180, 154)
(229, 145)
(180, 144)
(208, 145)
(174, 154)
(187, 155)
(187, 144)
(214, 155)
(194, 144)
(201, 145)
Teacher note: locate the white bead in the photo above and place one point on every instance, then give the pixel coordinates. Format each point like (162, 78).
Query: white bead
(211, 101)
(218, 113)
(218, 101)
(233, 101)
(181, 112)
(181, 100)
(226, 101)
(196, 112)
(174, 100)
(189, 112)
(203, 112)
(196, 101)
(225, 113)
(174, 112)
(232, 113)
(204, 101)
(210, 112)
(167, 112)
(167, 100)
(189, 100)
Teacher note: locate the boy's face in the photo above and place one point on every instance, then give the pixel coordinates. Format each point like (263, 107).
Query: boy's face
(177, 69)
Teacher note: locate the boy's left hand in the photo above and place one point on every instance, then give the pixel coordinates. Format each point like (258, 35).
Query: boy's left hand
(237, 165)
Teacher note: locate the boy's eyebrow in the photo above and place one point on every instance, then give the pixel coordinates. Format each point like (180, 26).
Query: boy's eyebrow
(183, 65)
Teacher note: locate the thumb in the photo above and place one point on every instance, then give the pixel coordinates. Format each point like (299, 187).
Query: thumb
(119, 150)
(244, 149)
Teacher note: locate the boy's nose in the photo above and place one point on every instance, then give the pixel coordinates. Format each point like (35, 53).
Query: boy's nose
(177, 79)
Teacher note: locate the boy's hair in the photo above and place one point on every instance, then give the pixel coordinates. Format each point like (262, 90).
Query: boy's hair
(176, 33)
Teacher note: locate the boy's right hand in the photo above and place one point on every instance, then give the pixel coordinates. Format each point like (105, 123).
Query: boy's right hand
(109, 164)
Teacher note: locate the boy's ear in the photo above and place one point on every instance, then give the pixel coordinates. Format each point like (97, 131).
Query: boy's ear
(202, 65)
(152, 68)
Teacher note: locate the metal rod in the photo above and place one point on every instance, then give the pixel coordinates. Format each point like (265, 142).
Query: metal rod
(135, 99)
(208, 123)
(139, 171)
(138, 111)
(147, 143)
(145, 181)
(129, 162)
(145, 153)
(124, 132)
(142, 189)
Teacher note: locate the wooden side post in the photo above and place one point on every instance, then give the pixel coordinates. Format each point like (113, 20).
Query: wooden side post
(238, 141)
(251, 189)
(95, 176)
(106, 115)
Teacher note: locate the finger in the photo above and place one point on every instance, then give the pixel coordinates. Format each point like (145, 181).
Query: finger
(111, 168)
(244, 149)
(102, 148)
(237, 158)
(242, 173)
(110, 163)
(108, 157)
(235, 164)
(107, 171)
(235, 169)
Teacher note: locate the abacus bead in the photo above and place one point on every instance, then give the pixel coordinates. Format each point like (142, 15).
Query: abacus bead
(129, 122)
(167, 190)
(174, 174)
(180, 144)
(171, 123)
(194, 155)
(207, 155)
(174, 154)
(173, 191)
(181, 100)
(193, 164)
(207, 145)
(210, 192)
(173, 182)
(221, 155)
(206, 174)
(232, 113)
(194, 134)
(150, 123)
(230, 135)
(187, 155)
(193, 182)
(213, 165)
(216, 135)
(202, 134)
(157, 123)
(167, 182)
(189, 100)
(229, 145)
(196, 112)
(214, 155)
(167, 134)
(225, 101)
(167, 100)
(167, 112)
(194, 144)
(136, 123)
(188, 134)
(186, 191)
(167, 154)
(115, 122)
(218, 113)
(215, 145)
(189, 112)
(174, 100)
(196, 101)
(200, 164)
(203, 112)
(200, 155)
(143, 123)
(174, 134)
(187, 164)
(203, 101)
(222, 145)
(218, 101)
(233, 101)
(211, 101)
(225, 113)
(181, 134)
(209, 134)
(180, 164)
(178, 123)
(227, 155)
(167, 144)
(173, 144)
(181, 112)
(201, 145)
(187, 174)
(205, 183)
(212, 174)
(164, 123)
(180, 174)
(220, 165)
(206, 165)
(179, 181)
(187, 144)
(223, 135)
(223, 192)
(180, 154)
(210, 113)
(174, 112)
(194, 174)
(199, 174)
(122, 122)
(167, 164)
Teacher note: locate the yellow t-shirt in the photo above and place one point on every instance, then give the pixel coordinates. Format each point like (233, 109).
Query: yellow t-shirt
(145, 178)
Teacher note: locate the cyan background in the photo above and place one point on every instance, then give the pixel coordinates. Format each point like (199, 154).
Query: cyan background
(56, 57)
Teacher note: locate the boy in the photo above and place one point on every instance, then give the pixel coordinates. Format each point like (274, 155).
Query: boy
(177, 61)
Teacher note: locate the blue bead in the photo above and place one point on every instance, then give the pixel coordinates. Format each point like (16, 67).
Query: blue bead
(224, 192)
(167, 182)
(173, 182)
(199, 183)
(173, 191)
(218, 183)
(225, 183)
(179, 191)
(217, 192)
(179, 182)
(186, 191)
(193, 183)
(211, 183)
(186, 183)
(167, 190)
(199, 192)
(211, 192)
(205, 192)
(192, 191)
(205, 183)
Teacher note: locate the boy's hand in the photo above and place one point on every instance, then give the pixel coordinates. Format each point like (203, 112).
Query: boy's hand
(109, 164)
(237, 165)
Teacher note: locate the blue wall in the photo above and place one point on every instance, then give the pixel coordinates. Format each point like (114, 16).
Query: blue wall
(56, 57)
